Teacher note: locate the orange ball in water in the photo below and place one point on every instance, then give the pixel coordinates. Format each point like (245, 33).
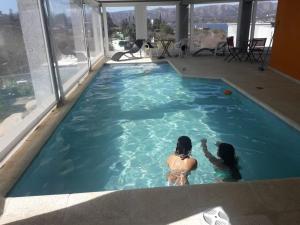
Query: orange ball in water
(227, 92)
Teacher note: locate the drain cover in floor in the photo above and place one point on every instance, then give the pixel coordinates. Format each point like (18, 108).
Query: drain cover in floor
(214, 216)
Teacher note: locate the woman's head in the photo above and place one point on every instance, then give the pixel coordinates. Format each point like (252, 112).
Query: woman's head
(184, 146)
(227, 153)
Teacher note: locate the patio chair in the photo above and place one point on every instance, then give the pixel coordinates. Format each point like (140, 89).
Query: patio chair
(151, 47)
(218, 50)
(138, 44)
(232, 50)
(256, 46)
(184, 46)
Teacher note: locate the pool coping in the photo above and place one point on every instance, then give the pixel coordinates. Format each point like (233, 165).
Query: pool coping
(22, 156)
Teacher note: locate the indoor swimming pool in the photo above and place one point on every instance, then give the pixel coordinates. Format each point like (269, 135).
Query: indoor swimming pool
(120, 132)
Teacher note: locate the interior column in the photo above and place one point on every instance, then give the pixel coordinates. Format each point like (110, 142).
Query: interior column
(182, 21)
(141, 21)
(245, 10)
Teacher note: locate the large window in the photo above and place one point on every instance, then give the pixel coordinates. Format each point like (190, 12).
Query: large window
(66, 25)
(93, 31)
(212, 23)
(26, 77)
(265, 20)
(120, 28)
(25, 83)
(161, 22)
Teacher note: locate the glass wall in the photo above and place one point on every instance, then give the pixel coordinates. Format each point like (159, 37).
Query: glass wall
(265, 20)
(212, 23)
(66, 27)
(120, 28)
(161, 22)
(93, 32)
(25, 83)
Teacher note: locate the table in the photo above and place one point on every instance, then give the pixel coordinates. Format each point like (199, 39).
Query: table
(165, 44)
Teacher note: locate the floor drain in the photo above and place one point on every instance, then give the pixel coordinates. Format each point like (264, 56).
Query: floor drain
(259, 88)
(214, 216)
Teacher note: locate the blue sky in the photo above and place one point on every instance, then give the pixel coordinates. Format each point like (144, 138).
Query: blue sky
(5, 5)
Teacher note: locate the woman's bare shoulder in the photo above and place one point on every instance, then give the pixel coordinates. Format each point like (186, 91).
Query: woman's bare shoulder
(191, 159)
(170, 157)
(193, 163)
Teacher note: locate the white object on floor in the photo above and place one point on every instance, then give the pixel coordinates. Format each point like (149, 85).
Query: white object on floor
(214, 216)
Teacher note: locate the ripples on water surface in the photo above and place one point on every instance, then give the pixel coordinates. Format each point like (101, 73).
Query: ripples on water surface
(127, 122)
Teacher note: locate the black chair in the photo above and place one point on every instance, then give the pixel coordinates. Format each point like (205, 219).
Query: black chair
(232, 50)
(138, 44)
(256, 46)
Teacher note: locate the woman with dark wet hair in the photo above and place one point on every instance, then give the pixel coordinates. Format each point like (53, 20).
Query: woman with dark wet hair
(181, 162)
(226, 161)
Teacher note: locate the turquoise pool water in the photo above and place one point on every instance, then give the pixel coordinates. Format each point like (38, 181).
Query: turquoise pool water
(120, 132)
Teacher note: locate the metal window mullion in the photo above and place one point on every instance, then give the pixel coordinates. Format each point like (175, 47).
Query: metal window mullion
(53, 54)
(85, 35)
(48, 51)
(191, 24)
(101, 29)
(106, 40)
(253, 19)
(54, 70)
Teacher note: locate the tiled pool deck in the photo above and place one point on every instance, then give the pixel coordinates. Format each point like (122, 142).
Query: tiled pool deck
(274, 202)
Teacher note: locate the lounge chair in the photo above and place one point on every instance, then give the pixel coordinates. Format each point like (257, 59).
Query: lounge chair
(218, 50)
(138, 44)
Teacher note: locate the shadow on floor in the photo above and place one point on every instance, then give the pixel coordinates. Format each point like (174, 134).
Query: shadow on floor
(124, 207)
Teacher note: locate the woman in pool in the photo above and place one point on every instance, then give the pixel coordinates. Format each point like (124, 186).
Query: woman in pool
(227, 161)
(181, 162)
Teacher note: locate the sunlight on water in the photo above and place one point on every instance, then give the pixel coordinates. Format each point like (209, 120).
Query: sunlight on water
(127, 122)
